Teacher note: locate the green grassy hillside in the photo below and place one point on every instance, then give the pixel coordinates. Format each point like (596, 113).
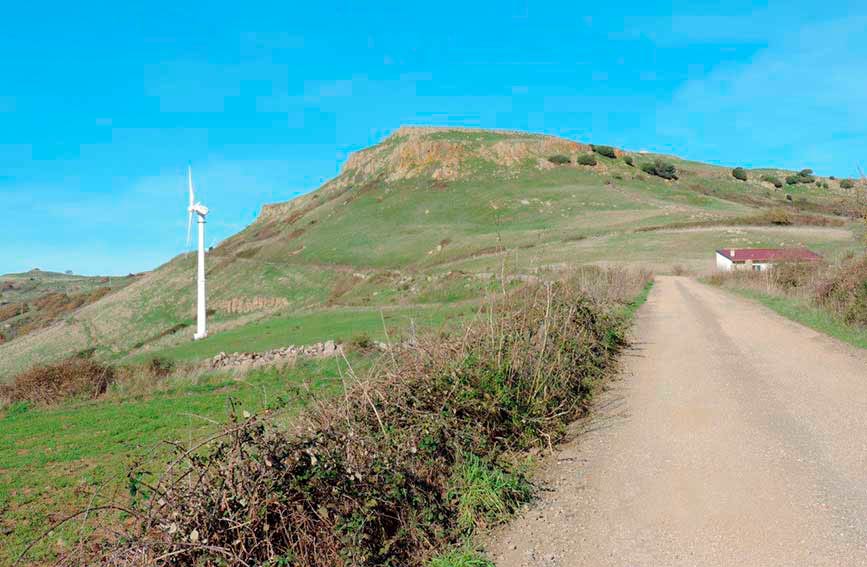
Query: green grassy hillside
(425, 218)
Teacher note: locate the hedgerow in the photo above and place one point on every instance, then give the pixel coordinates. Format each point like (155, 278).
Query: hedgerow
(409, 461)
(844, 290)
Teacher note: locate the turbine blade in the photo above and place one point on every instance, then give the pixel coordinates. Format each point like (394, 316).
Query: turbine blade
(190, 177)
(189, 228)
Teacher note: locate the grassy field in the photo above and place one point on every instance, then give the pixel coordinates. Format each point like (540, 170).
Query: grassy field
(55, 460)
(318, 326)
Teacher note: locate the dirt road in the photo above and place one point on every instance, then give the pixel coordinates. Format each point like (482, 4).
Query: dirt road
(734, 438)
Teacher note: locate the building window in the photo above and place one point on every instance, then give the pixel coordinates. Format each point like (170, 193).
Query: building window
(757, 267)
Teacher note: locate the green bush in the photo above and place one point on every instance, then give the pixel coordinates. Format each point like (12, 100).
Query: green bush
(739, 173)
(803, 176)
(606, 151)
(660, 168)
(773, 179)
(586, 159)
(847, 184)
(361, 343)
(628, 160)
(559, 159)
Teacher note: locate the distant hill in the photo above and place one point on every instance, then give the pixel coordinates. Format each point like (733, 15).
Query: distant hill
(422, 217)
(34, 300)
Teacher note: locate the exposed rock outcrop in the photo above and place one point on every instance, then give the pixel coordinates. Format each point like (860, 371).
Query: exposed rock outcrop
(250, 304)
(275, 356)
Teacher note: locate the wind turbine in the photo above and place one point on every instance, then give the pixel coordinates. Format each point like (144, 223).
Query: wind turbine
(202, 211)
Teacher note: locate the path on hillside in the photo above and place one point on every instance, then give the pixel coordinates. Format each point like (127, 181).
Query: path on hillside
(735, 437)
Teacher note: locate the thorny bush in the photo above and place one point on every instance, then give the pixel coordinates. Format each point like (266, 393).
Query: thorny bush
(370, 480)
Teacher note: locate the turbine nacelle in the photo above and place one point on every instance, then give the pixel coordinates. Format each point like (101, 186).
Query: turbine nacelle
(198, 209)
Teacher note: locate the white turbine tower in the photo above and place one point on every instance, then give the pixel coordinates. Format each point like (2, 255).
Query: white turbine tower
(202, 211)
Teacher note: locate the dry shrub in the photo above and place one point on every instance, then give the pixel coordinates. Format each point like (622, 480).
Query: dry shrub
(369, 480)
(68, 379)
(48, 308)
(613, 284)
(12, 310)
(844, 290)
(343, 284)
(840, 289)
(793, 279)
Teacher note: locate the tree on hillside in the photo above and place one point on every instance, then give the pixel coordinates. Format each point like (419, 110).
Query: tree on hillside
(586, 159)
(772, 179)
(739, 173)
(660, 168)
(628, 161)
(606, 151)
(846, 184)
(559, 159)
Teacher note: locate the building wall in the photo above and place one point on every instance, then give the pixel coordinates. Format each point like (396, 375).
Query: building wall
(723, 264)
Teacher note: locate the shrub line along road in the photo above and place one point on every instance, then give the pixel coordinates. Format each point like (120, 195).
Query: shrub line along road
(735, 437)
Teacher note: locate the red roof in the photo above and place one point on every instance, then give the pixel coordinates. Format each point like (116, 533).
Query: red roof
(769, 254)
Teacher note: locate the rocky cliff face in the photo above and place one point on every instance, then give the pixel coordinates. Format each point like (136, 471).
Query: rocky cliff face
(440, 154)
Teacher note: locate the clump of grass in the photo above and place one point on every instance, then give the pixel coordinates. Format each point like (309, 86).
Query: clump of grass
(361, 343)
(484, 493)
(413, 456)
(461, 558)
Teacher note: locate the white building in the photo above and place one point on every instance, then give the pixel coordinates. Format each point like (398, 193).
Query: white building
(760, 259)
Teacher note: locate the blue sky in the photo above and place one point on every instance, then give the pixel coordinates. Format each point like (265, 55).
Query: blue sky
(103, 104)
